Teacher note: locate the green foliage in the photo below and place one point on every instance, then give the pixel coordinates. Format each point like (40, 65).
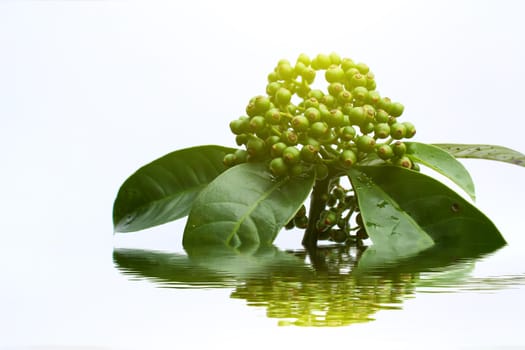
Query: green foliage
(296, 140)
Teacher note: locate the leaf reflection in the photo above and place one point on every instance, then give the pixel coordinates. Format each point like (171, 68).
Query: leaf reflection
(331, 286)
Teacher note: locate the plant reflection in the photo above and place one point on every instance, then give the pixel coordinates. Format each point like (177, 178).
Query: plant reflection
(331, 286)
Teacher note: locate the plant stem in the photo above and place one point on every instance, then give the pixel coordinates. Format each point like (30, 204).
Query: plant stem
(317, 204)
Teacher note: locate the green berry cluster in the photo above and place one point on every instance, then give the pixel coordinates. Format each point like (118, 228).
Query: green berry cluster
(296, 127)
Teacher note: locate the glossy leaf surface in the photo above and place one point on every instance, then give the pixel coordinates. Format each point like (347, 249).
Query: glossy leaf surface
(445, 216)
(444, 163)
(245, 206)
(392, 230)
(489, 152)
(165, 189)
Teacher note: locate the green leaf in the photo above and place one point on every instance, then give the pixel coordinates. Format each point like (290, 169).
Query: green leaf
(165, 189)
(393, 231)
(442, 162)
(445, 216)
(489, 152)
(245, 206)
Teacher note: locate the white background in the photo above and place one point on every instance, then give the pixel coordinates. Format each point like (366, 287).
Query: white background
(92, 90)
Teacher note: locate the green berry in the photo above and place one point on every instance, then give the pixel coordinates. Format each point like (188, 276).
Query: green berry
(316, 93)
(382, 116)
(229, 160)
(363, 68)
(296, 169)
(399, 148)
(347, 63)
(273, 77)
(385, 104)
(273, 116)
(299, 68)
(262, 104)
(241, 155)
(348, 158)
(276, 150)
(329, 218)
(241, 139)
(272, 140)
(300, 123)
(308, 75)
(365, 143)
(309, 153)
(312, 114)
(285, 71)
(373, 97)
(257, 123)
(347, 133)
(382, 130)
(321, 171)
(255, 146)
(335, 118)
(334, 74)
(384, 151)
(396, 109)
(344, 97)
(278, 167)
(304, 59)
(397, 131)
(357, 115)
(360, 93)
(239, 126)
(335, 88)
(301, 222)
(335, 58)
(404, 162)
(366, 127)
(358, 79)
(283, 96)
(410, 129)
(370, 113)
(289, 137)
(311, 102)
(291, 155)
(321, 61)
(338, 235)
(319, 130)
(328, 100)
(272, 88)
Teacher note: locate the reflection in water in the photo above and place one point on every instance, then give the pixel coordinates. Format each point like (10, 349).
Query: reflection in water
(332, 286)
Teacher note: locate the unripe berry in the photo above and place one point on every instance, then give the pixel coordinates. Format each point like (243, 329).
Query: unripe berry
(311, 102)
(276, 150)
(334, 74)
(291, 108)
(347, 63)
(273, 116)
(399, 148)
(344, 97)
(370, 113)
(241, 156)
(365, 143)
(304, 59)
(300, 123)
(382, 116)
(229, 160)
(309, 153)
(363, 68)
(397, 131)
(328, 100)
(347, 133)
(335, 118)
(329, 218)
(360, 93)
(257, 123)
(404, 162)
(289, 137)
(262, 104)
(255, 146)
(299, 68)
(285, 71)
(350, 72)
(338, 236)
(272, 88)
(384, 151)
(382, 130)
(358, 80)
(357, 115)
(396, 109)
(373, 97)
(319, 130)
(335, 58)
(410, 129)
(272, 77)
(278, 167)
(385, 104)
(241, 139)
(321, 171)
(335, 88)
(296, 169)
(283, 96)
(348, 158)
(321, 61)
(366, 127)
(239, 126)
(272, 140)
(308, 75)
(312, 114)
(316, 93)
(301, 222)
